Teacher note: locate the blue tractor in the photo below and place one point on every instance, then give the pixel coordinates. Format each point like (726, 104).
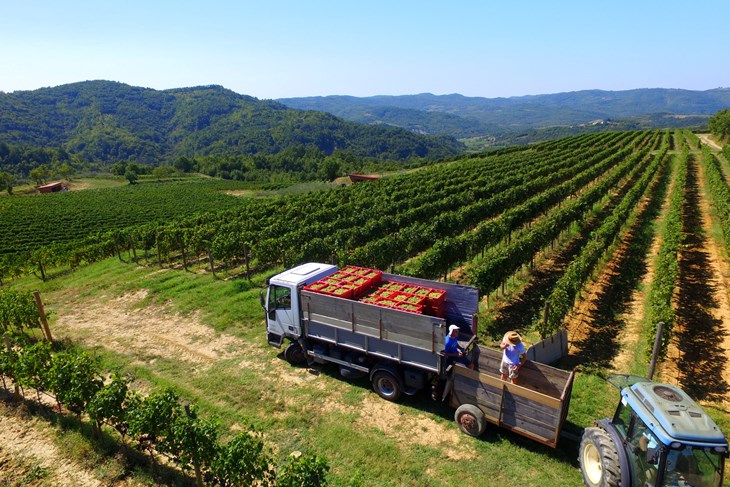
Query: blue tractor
(658, 437)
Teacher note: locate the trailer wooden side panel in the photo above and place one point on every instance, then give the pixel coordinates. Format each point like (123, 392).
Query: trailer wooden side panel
(536, 407)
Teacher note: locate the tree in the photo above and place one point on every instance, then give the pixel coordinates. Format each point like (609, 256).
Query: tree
(131, 176)
(7, 181)
(66, 171)
(720, 123)
(184, 164)
(40, 174)
(331, 168)
(163, 171)
(119, 168)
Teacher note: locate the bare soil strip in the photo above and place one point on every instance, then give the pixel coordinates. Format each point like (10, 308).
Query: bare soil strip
(29, 457)
(697, 359)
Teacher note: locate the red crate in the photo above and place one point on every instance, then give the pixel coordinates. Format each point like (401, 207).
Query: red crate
(411, 308)
(436, 298)
(415, 299)
(316, 286)
(438, 311)
(338, 291)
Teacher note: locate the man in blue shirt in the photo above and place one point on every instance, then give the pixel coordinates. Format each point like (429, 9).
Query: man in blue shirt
(453, 351)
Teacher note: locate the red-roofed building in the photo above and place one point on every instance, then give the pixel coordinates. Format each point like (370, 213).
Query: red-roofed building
(358, 178)
(53, 187)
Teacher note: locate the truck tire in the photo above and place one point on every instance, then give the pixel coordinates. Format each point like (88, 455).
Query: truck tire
(598, 458)
(294, 354)
(387, 385)
(470, 419)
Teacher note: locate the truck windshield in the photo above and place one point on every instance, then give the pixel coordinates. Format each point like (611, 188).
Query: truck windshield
(695, 467)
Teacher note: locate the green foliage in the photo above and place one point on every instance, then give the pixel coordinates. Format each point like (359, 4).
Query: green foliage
(74, 379)
(33, 363)
(719, 123)
(303, 470)
(130, 176)
(666, 271)
(192, 441)
(18, 310)
(150, 418)
(244, 460)
(109, 404)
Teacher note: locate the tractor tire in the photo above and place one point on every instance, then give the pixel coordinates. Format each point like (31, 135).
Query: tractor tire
(387, 385)
(598, 458)
(294, 354)
(470, 419)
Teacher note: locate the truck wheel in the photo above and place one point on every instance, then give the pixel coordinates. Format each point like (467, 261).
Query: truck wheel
(387, 386)
(470, 420)
(598, 459)
(294, 354)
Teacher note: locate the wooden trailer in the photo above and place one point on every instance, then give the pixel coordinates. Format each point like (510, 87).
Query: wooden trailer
(536, 407)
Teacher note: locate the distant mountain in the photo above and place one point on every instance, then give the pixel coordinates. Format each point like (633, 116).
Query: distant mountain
(463, 116)
(109, 121)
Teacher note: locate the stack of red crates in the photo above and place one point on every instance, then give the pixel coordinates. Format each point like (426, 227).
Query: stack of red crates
(366, 285)
(409, 297)
(350, 282)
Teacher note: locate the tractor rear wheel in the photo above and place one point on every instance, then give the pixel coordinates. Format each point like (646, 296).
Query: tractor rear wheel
(598, 459)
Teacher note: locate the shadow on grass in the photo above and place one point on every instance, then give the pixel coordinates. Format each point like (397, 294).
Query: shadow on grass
(105, 445)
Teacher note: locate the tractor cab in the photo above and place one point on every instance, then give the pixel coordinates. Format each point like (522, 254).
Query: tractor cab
(658, 437)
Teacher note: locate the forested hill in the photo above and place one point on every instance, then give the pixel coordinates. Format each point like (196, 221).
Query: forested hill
(464, 116)
(108, 121)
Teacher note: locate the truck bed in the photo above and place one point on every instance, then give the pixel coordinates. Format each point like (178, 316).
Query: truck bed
(407, 338)
(536, 407)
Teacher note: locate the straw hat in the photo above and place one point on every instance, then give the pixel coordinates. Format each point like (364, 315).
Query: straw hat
(512, 337)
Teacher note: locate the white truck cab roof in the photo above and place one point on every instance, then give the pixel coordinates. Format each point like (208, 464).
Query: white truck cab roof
(303, 274)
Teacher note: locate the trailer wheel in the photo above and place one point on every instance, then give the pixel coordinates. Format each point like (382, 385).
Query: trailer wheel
(387, 385)
(294, 354)
(598, 459)
(470, 420)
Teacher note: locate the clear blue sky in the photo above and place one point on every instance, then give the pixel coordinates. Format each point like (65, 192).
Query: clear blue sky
(277, 48)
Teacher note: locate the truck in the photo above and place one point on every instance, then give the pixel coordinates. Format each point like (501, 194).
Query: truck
(401, 352)
(658, 436)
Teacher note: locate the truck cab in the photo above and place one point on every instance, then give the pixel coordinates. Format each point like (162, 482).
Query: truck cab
(281, 300)
(658, 437)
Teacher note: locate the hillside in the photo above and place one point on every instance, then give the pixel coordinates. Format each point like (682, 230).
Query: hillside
(464, 116)
(108, 121)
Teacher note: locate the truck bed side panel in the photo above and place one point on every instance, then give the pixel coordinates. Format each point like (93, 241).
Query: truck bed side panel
(408, 338)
